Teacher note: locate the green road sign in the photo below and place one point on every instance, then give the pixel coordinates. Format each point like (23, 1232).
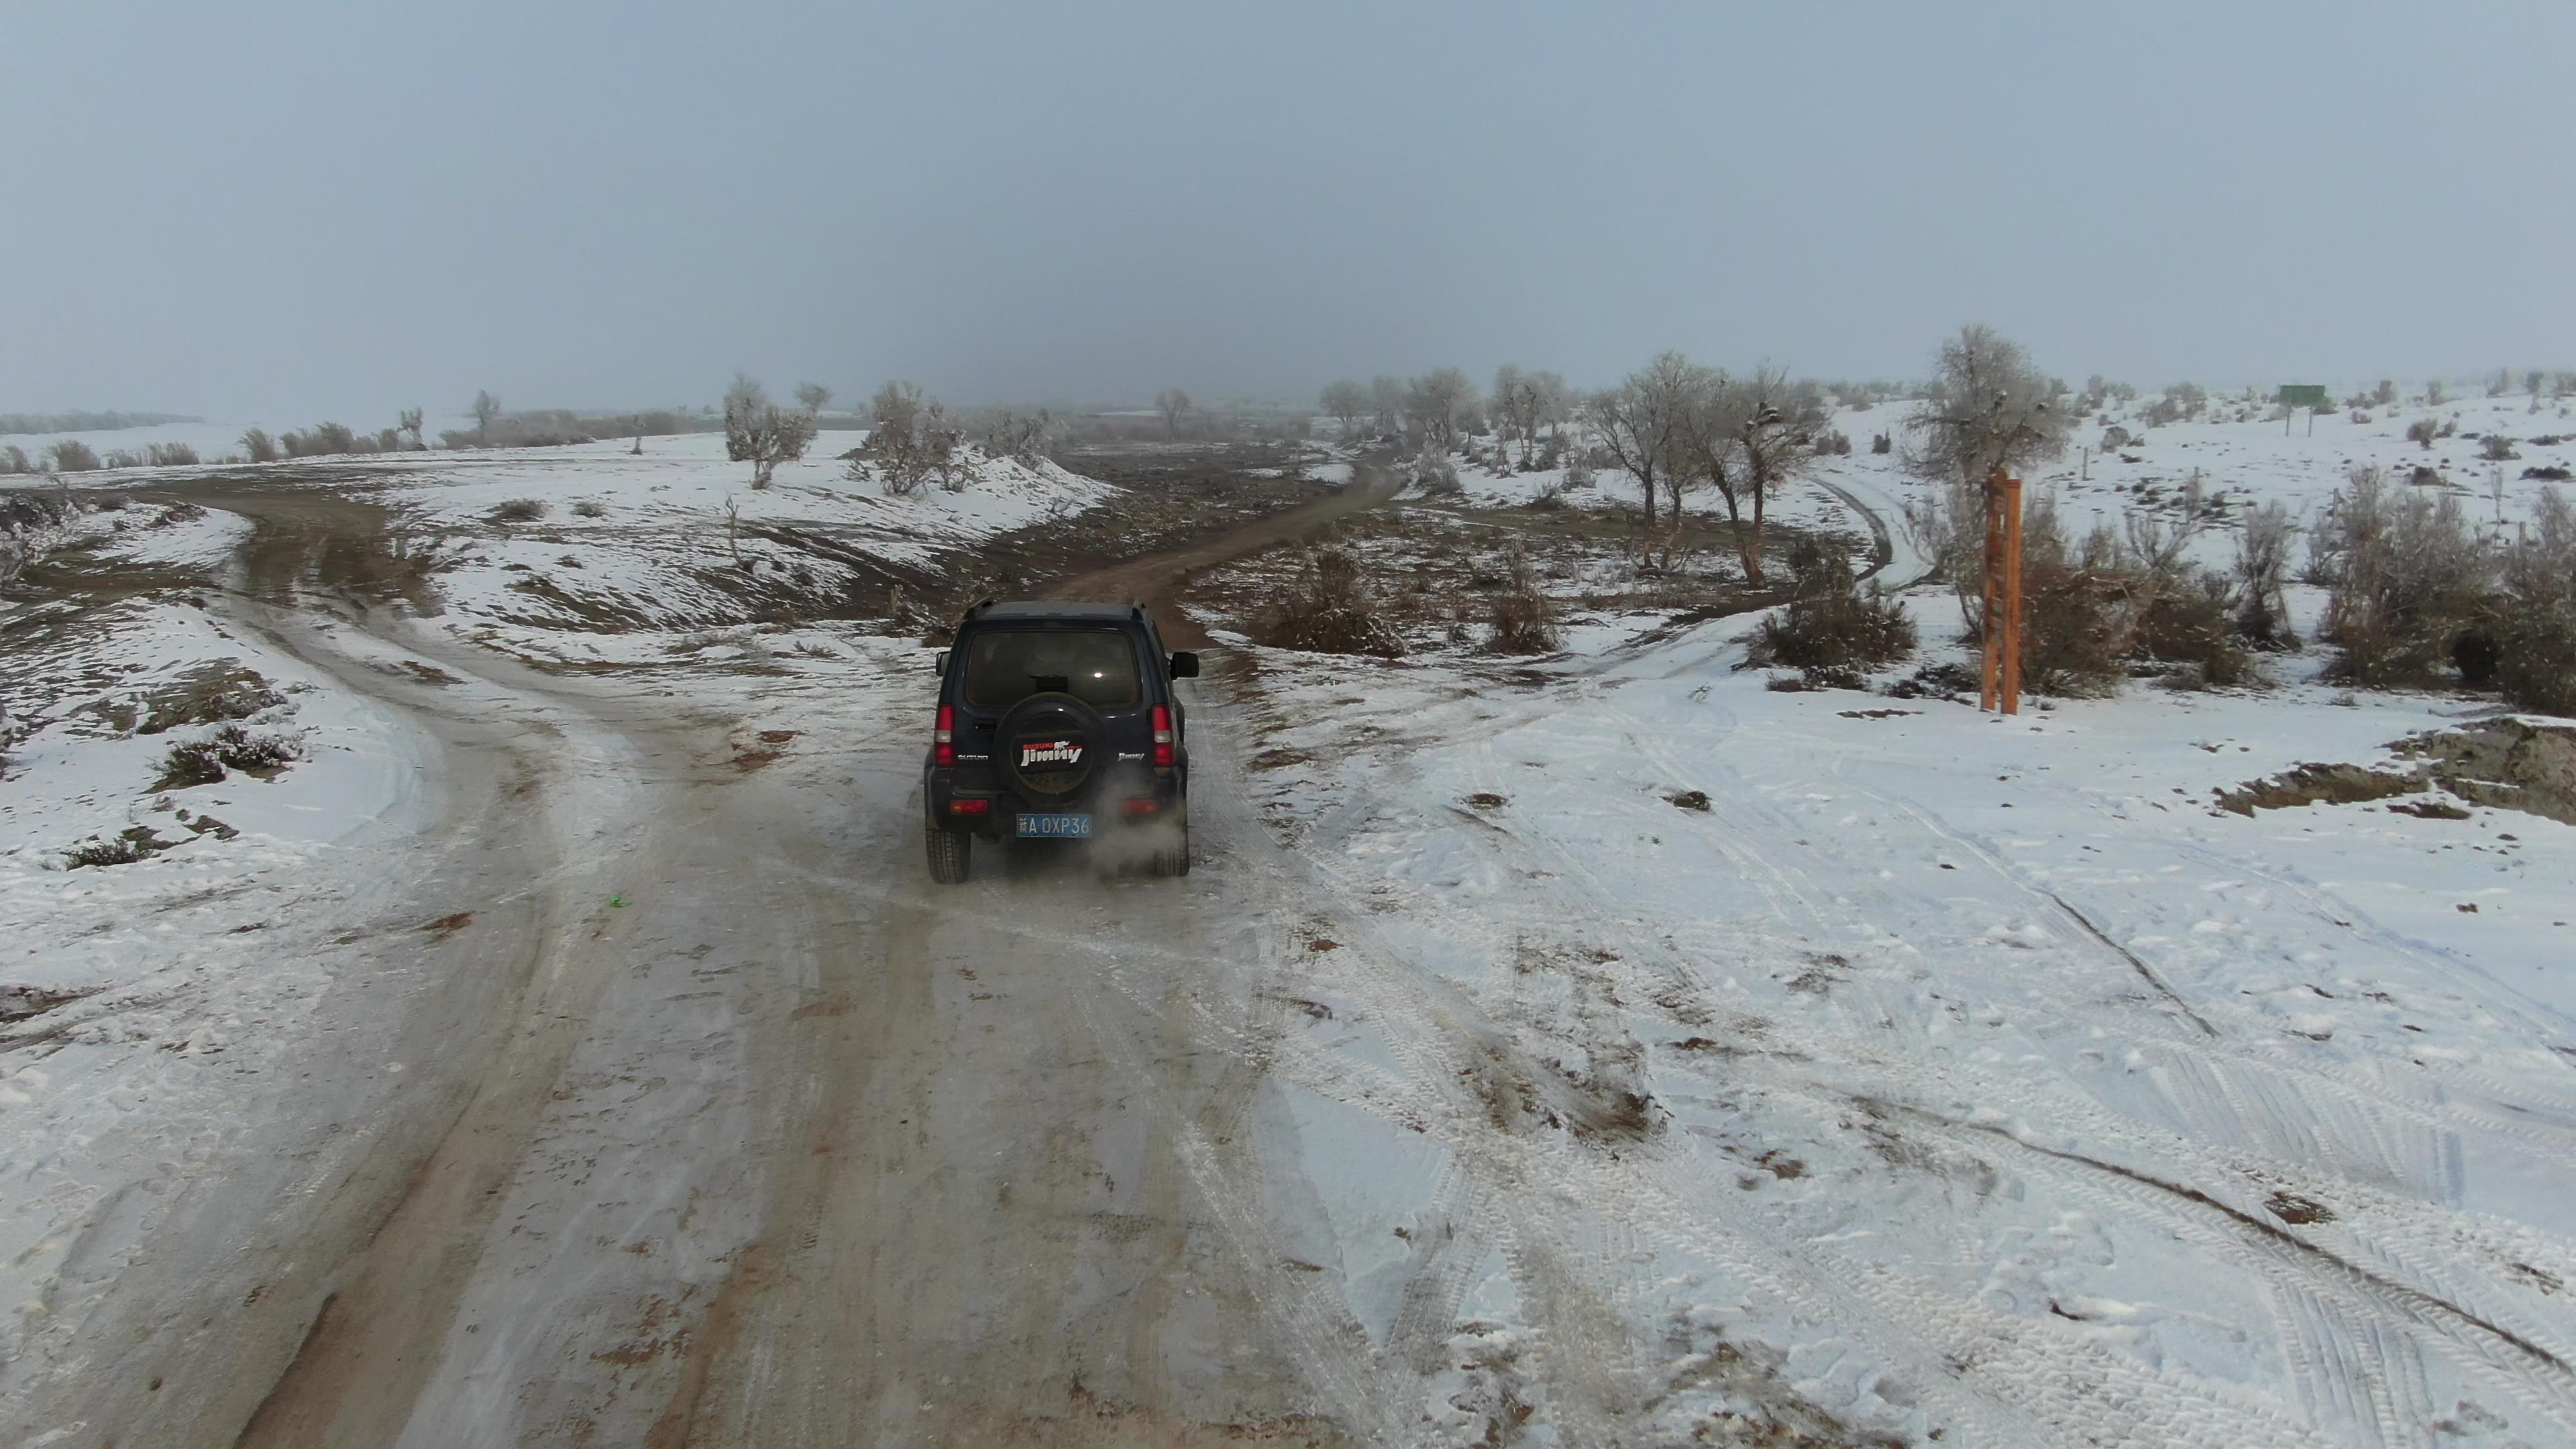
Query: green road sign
(2303, 395)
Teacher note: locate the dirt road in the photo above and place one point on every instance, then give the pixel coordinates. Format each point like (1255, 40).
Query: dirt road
(695, 1114)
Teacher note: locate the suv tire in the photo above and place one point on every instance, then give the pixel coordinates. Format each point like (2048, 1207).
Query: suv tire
(951, 852)
(1174, 859)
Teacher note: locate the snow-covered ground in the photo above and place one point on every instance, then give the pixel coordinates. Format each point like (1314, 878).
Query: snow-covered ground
(1596, 1048)
(1899, 1039)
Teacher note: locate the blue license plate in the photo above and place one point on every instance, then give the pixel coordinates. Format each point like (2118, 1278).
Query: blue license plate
(1055, 827)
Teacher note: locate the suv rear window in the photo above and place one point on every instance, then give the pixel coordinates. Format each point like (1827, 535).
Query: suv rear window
(1005, 666)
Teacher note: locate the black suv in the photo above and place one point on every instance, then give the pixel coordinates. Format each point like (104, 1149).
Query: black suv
(1058, 722)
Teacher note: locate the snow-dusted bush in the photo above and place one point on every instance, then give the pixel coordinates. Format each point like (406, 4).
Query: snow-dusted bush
(204, 762)
(2079, 607)
(760, 432)
(2536, 636)
(1522, 620)
(1828, 623)
(14, 460)
(1331, 611)
(70, 455)
(517, 510)
(2262, 572)
(2497, 448)
(258, 446)
(1881, 444)
(910, 442)
(1434, 473)
(2423, 431)
(2406, 577)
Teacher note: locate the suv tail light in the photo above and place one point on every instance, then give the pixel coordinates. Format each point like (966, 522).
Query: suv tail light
(943, 736)
(1162, 737)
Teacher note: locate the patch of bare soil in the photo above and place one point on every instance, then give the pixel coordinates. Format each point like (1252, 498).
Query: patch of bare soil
(2505, 764)
(2318, 785)
(1441, 574)
(2508, 764)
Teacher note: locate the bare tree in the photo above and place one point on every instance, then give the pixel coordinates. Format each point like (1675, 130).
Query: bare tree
(813, 397)
(761, 433)
(1386, 399)
(486, 408)
(1345, 400)
(1986, 408)
(2532, 382)
(1441, 404)
(1639, 423)
(895, 408)
(1174, 404)
(409, 422)
(1745, 437)
(1520, 400)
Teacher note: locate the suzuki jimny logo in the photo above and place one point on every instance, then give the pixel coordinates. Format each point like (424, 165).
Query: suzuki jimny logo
(1059, 752)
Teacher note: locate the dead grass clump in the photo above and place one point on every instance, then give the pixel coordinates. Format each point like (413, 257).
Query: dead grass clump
(1522, 621)
(517, 510)
(125, 849)
(206, 761)
(1331, 611)
(213, 694)
(588, 508)
(1829, 623)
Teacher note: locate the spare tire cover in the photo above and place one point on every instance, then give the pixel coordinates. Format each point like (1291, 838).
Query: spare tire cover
(1046, 746)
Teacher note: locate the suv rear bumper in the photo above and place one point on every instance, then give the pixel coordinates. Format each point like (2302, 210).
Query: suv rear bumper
(1108, 802)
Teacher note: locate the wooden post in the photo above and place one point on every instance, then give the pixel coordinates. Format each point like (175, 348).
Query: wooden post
(2012, 595)
(1989, 627)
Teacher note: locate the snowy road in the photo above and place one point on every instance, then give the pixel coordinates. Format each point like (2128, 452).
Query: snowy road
(1473, 1090)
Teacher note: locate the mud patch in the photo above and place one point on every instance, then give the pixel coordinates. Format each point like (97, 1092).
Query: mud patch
(2297, 1211)
(446, 926)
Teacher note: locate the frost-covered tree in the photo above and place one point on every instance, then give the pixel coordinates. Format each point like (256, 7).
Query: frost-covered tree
(1985, 408)
(1345, 400)
(1745, 437)
(1173, 404)
(760, 432)
(409, 422)
(1386, 402)
(909, 441)
(813, 397)
(486, 408)
(1441, 404)
(1639, 423)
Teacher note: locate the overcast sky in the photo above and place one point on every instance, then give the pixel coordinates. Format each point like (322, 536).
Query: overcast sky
(339, 209)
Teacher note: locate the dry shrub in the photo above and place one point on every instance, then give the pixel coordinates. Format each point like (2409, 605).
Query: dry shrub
(2536, 636)
(2262, 572)
(2079, 607)
(204, 762)
(2191, 620)
(1829, 623)
(1331, 611)
(1522, 621)
(517, 510)
(2406, 577)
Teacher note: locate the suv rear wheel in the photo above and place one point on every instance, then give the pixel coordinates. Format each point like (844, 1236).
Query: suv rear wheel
(949, 852)
(1174, 859)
